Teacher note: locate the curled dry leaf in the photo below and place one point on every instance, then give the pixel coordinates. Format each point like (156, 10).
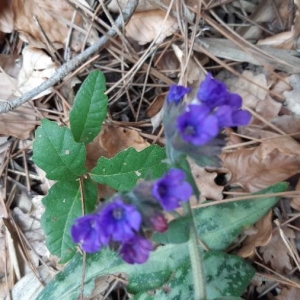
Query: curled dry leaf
(37, 67)
(276, 253)
(256, 168)
(144, 27)
(206, 184)
(54, 17)
(260, 238)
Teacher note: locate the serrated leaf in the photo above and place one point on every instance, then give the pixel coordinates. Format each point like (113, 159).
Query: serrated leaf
(219, 225)
(89, 108)
(123, 170)
(168, 269)
(56, 152)
(63, 205)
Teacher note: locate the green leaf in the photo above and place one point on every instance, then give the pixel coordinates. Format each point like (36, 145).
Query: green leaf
(168, 269)
(56, 152)
(63, 205)
(219, 225)
(226, 275)
(89, 108)
(123, 170)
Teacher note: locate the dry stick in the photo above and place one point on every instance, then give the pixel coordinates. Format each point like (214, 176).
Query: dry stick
(71, 65)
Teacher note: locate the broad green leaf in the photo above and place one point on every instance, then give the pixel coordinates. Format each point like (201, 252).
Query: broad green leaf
(123, 170)
(89, 108)
(227, 277)
(168, 269)
(219, 225)
(63, 205)
(56, 152)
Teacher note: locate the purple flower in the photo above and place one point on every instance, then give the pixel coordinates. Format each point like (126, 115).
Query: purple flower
(197, 125)
(176, 93)
(171, 189)
(120, 221)
(229, 117)
(212, 92)
(136, 250)
(87, 231)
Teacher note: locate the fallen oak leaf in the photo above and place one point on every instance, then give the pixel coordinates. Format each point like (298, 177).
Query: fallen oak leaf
(276, 252)
(256, 168)
(260, 238)
(206, 184)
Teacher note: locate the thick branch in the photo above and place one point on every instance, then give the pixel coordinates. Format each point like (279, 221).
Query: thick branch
(71, 65)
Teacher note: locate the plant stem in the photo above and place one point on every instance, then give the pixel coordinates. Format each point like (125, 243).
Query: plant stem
(196, 259)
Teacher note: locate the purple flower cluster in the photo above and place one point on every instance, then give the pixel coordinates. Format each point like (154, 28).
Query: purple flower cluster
(214, 109)
(119, 223)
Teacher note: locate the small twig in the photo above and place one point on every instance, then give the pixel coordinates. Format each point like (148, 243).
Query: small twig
(71, 65)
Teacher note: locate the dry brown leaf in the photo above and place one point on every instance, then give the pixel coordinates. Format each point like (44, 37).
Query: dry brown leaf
(250, 92)
(194, 74)
(167, 63)
(20, 122)
(283, 40)
(117, 5)
(6, 16)
(144, 27)
(115, 139)
(260, 238)
(111, 141)
(37, 68)
(156, 105)
(276, 253)
(292, 97)
(205, 181)
(54, 17)
(291, 293)
(254, 96)
(10, 64)
(256, 168)
(288, 124)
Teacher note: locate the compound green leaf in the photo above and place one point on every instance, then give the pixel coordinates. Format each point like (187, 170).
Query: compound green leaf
(219, 225)
(89, 108)
(123, 170)
(63, 205)
(56, 152)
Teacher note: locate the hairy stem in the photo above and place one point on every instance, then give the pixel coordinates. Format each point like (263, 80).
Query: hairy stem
(196, 263)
